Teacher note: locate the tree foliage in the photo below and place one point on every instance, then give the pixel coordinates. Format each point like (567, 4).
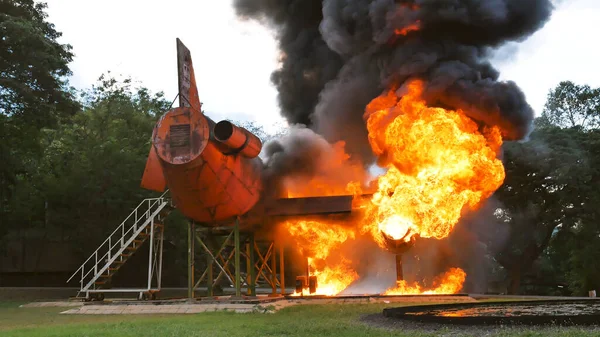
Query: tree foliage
(33, 90)
(87, 178)
(33, 65)
(570, 105)
(550, 195)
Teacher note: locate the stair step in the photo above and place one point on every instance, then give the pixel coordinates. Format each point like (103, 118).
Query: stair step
(145, 227)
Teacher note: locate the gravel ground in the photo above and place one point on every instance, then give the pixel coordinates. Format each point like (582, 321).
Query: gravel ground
(393, 324)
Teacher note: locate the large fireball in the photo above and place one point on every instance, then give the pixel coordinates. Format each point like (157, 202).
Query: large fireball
(439, 164)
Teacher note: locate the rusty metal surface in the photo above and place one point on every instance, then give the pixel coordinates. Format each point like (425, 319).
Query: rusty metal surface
(188, 92)
(180, 136)
(153, 178)
(237, 139)
(206, 184)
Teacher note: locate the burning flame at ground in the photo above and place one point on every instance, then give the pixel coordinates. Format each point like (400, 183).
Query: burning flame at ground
(438, 161)
(317, 240)
(449, 283)
(439, 164)
(332, 278)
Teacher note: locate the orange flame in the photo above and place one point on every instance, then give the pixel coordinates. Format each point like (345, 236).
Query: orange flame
(317, 240)
(439, 164)
(335, 171)
(449, 283)
(410, 28)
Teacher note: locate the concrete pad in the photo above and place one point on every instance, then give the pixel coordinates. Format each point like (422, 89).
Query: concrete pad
(179, 307)
(51, 304)
(175, 308)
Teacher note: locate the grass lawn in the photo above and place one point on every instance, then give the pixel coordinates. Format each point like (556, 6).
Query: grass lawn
(301, 320)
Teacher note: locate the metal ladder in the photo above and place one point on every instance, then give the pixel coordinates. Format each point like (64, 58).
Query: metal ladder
(144, 223)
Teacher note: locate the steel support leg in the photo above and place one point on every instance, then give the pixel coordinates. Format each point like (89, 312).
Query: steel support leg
(191, 235)
(399, 272)
(281, 270)
(273, 270)
(150, 255)
(209, 273)
(248, 267)
(160, 256)
(238, 288)
(251, 267)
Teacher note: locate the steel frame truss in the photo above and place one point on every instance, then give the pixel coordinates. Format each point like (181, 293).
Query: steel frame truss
(225, 258)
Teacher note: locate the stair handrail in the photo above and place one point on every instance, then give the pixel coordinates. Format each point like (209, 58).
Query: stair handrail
(105, 265)
(159, 200)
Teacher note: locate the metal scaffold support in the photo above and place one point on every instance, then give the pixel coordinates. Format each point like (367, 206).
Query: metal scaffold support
(223, 253)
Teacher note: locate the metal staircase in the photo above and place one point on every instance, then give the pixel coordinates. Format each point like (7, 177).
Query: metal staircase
(145, 223)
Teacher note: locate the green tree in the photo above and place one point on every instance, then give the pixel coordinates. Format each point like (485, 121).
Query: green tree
(33, 65)
(33, 90)
(572, 105)
(540, 194)
(551, 189)
(88, 178)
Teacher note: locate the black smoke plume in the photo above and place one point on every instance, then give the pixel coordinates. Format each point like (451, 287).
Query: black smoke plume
(337, 55)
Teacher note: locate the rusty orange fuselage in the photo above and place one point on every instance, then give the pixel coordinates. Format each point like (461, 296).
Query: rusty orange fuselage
(209, 180)
(212, 170)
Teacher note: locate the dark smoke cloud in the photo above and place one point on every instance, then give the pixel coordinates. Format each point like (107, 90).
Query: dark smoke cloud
(340, 54)
(307, 62)
(337, 55)
(300, 155)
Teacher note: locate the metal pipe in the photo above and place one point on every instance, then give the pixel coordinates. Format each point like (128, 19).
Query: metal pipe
(237, 139)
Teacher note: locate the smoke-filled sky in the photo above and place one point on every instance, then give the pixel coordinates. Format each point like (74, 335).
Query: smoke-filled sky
(233, 60)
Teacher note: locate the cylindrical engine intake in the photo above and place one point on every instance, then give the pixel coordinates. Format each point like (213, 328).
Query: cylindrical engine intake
(238, 139)
(401, 245)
